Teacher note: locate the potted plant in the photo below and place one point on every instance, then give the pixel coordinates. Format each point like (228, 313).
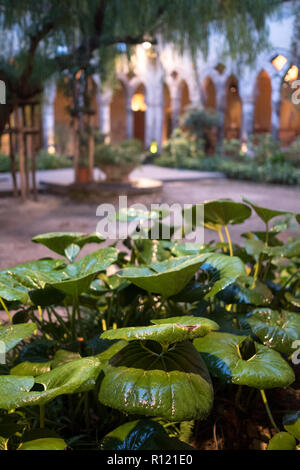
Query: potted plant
(199, 123)
(118, 161)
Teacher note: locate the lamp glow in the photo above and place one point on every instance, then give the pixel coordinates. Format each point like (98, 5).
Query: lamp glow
(153, 147)
(292, 74)
(279, 62)
(147, 45)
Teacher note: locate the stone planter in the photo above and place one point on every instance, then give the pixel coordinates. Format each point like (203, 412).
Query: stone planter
(115, 173)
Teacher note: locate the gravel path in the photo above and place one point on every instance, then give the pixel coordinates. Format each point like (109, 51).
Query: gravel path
(20, 222)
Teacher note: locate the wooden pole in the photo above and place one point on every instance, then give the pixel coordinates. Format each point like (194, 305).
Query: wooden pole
(20, 139)
(32, 152)
(24, 136)
(13, 161)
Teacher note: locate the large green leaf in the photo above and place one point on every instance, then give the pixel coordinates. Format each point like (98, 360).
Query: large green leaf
(167, 277)
(166, 331)
(143, 434)
(13, 334)
(45, 443)
(246, 291)
(76, 277)
(222, 271)
(264, 213)
(263, 368)
(71, 377)
(144, 379)
(289, 250)
(60, 242)
(18, 281)
(224, 212)
(170, 277)
(282, 441)
(148, 251)
(277, 330)
(291, 423)
(33, 369)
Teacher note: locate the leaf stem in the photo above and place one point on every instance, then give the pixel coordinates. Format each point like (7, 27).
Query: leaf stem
(229, 240)
(6, 310)
(265, 402)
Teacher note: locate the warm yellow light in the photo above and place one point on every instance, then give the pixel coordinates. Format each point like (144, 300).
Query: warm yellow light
(279, 62)
(138, 102)
(153, 147)
(244, 148)
(292, 74)
(51, 149)
(146, 45)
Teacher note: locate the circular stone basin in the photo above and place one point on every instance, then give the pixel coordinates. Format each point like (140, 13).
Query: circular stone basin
(96, 190)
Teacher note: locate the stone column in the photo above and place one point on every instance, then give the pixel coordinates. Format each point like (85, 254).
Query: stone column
(48, 117)
(104, 101)
(247, 117)
(276, 102)
(129, 115)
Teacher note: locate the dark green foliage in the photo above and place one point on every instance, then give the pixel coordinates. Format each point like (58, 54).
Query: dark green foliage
(128, 360)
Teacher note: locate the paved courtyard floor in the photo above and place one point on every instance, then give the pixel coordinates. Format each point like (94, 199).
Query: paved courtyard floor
(19, 222)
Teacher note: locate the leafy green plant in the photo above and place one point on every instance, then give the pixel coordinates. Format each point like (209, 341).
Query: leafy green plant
(133, 348)
(128, 152)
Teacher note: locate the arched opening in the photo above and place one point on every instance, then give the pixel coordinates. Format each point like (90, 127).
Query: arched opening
(263, 104)
(233, 113)
(118, 114)
(138, 106)
(184, 96)
(167, 123)
(210, 94)
(289, 115)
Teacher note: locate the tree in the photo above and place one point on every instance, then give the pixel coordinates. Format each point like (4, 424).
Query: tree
(86, 26)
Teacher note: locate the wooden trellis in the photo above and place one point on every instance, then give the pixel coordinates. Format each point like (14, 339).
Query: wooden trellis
(24, 132)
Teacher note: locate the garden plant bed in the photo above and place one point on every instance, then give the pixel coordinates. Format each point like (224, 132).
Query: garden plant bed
(159, 344)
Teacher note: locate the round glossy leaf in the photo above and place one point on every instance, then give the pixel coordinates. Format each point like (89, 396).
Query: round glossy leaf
(13, 334)
(166, 331)
(277, 330)
(246, 291)
(142, 379)
(46, 443)
(76, 277)
(282, 441)
(61, 241)
(289, 250)
(143, 434)
(167, 277)
(221, 271)
(75, 376)
(16, 282)
(262, 368)
(264, 213)
(291, 423)
(225, 212)
(31, 368)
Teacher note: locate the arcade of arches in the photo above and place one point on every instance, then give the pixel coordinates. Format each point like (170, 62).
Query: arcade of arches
(129, 112)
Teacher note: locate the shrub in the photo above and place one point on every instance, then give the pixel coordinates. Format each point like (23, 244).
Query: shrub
(292, 154)
(4, 163)
(129, 152)
(263, 146)
(47, 161)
